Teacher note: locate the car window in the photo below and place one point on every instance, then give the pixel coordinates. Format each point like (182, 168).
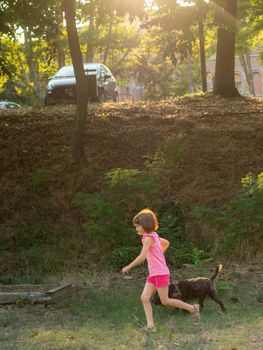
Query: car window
(91, 69)
(105, 71)
(12, 105)
(65, 72)
(108, 71)
(102, 71)
(8, 105)
(68, 71)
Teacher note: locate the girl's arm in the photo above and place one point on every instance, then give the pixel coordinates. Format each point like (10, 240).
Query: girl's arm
(140, 258)
(164, 244)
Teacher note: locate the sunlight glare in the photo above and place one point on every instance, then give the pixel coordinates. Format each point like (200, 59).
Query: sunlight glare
(149, 3)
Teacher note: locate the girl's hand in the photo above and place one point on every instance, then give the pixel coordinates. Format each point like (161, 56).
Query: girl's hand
(125, 269)
(140, 258)
(164, 244)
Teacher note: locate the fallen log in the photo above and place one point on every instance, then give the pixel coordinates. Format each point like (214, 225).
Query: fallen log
(34, 294)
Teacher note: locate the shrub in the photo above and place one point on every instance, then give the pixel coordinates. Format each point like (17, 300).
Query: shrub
(197, 260)
(109, 212)
(167, 157)
(122, 256)
(172, 228)
(39, 249)
(240, 220)
(41, 176)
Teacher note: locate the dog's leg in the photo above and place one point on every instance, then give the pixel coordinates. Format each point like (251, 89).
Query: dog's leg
(214, 296)
(201, 301)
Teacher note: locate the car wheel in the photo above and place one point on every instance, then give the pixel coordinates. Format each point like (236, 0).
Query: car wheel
(116, 97)
(48, 101)
(102, 97)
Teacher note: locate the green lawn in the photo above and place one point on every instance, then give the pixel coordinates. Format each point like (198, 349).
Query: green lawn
(106, 313)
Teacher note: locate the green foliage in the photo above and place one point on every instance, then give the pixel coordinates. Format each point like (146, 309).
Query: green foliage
(171, 227)
(111, 34)
(27, 278)
(166, 160)
(198, 259)
(115, 48)
(109, 212)
(259, 296)
(167, 156)
(122, 256)
(240, 219)
(37, 249)
(41, 176)
(12, 62)
(157, 76)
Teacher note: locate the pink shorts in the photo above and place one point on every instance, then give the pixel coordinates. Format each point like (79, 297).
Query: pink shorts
(159, 281)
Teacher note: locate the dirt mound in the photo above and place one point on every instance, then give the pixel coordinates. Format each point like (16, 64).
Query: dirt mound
(222, 141)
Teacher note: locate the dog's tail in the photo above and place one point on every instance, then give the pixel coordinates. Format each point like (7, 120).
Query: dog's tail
(217, 270)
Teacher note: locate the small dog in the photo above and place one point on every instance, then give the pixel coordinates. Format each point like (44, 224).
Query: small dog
(198, 287)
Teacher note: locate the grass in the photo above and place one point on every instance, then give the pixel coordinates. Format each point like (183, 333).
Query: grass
(105, 313)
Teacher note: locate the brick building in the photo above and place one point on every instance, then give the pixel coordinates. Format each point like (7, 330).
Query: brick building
(240, 77)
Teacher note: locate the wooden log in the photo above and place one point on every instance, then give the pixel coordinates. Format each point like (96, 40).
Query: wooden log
(60, 293)
(35, 294)
(23, 297)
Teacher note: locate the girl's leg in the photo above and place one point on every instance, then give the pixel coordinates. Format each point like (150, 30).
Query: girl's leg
(163, 294)
(145, 298)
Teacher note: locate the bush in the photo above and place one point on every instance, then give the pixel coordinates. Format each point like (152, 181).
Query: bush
(109, 212)
(122, 256)
(197, 260)
(239, 222)
(38, 249)
(165, 161)
(172, 228)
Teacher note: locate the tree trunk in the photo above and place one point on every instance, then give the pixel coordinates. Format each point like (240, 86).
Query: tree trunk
(90, 48)
(189, 73)
(59, 45)
(123, 57)
(202, 54)
(225, 55)
(32, 64)
(107, 49)
(77, 144)
(246, 64)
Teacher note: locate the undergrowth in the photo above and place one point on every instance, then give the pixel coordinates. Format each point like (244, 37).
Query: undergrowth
(238, 223)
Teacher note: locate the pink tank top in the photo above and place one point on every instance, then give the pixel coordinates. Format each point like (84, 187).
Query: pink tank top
(155, 257)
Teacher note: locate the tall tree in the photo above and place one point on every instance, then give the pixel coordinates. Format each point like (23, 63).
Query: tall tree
(225, 53)
(58, 36)
(106, 14)
(39, 23)
(77, 144)
(202, 8)
(184, 24)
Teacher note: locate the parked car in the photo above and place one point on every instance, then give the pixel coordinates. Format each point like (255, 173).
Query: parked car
(62, 86)
(8, 105)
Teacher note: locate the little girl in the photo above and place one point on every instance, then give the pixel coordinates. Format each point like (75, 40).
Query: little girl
(159, 276)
